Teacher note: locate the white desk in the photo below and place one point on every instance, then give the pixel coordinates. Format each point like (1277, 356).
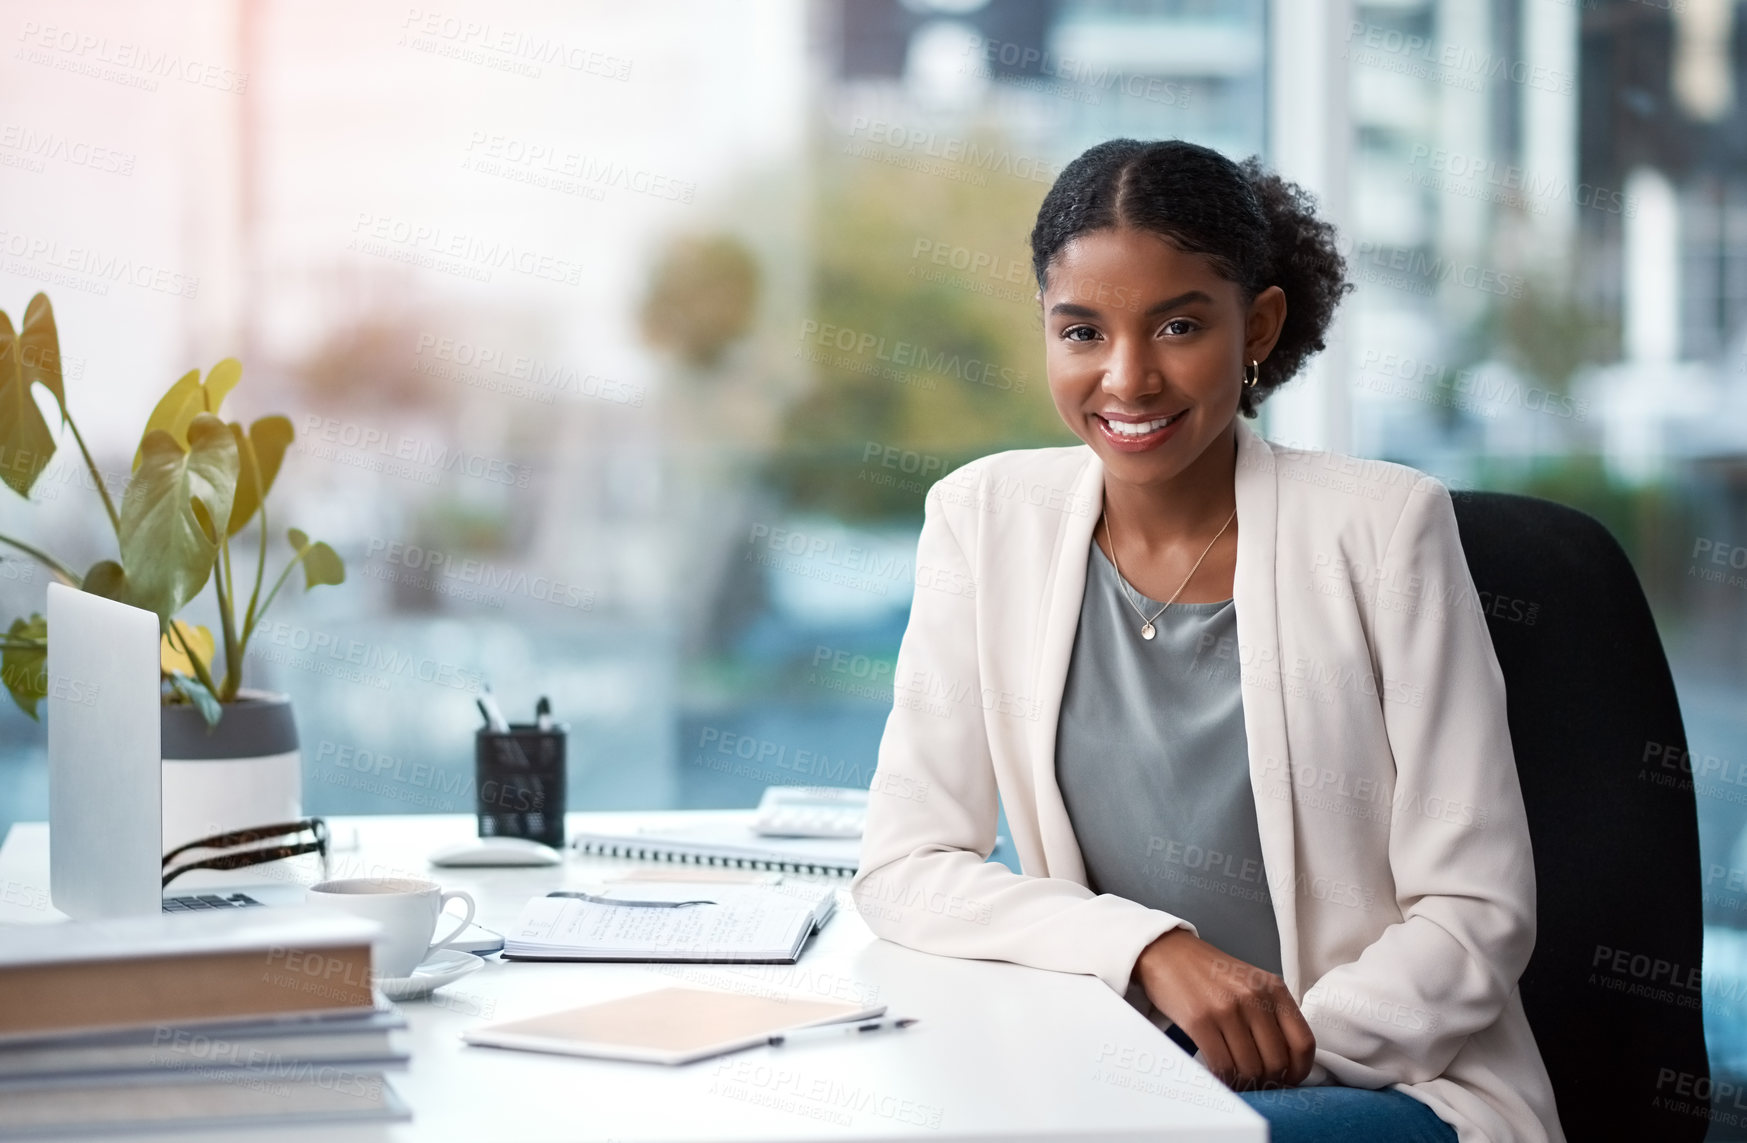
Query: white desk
(1002, 1052)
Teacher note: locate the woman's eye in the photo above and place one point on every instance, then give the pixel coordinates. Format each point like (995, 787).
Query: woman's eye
(1079, 333)
(1178, 327)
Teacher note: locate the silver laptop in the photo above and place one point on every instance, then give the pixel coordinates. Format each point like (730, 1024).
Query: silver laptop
(107, 775)
(106, 816)
(106, 787)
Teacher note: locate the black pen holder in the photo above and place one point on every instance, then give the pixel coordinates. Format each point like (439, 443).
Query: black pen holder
(519, 783)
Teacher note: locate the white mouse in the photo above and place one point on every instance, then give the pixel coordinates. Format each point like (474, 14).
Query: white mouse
(497, 851)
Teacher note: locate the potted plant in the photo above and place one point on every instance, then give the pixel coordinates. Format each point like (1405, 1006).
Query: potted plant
(231, 755)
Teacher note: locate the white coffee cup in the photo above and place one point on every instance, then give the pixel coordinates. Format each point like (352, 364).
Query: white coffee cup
(407, 910)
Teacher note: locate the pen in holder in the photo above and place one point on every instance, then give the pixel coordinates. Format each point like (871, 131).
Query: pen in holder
(519, 780)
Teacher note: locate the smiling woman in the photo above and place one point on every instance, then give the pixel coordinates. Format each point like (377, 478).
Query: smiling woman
(1348, 964)
(1176, 267)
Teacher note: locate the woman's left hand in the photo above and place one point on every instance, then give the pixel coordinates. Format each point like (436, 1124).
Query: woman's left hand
(1243, 1018)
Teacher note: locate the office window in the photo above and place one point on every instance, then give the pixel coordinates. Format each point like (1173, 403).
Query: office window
(559, 307)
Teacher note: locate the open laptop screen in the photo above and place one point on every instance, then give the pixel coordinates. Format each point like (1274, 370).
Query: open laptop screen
(105, 767)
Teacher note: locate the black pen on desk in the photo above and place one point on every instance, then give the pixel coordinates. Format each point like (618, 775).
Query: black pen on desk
(543, 714)
(828, 1031)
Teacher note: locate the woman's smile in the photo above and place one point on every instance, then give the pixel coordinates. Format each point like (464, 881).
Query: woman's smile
(1130, 433)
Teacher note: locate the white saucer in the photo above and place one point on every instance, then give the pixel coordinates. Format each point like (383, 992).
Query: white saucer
(445, 966)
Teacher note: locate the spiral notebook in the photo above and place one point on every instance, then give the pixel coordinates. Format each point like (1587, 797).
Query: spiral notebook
(728, 840)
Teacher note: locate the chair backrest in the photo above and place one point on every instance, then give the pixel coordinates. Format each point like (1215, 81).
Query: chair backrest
(1613, 989)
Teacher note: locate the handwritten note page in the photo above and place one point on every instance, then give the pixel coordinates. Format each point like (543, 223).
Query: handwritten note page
(737, 926)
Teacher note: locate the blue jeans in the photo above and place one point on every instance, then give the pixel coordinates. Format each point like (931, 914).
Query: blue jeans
(1346, 1115)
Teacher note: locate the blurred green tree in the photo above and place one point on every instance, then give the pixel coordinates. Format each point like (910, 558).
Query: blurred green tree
(1551, 333)
(924, 335)
(702, 297)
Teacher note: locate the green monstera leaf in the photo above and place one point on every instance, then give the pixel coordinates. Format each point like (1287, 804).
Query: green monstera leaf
(261, 450)
(108, 580)
(192, 691)
(321, 564)
(169, 538)
(187, 399)
(28, 358)
(24, 662)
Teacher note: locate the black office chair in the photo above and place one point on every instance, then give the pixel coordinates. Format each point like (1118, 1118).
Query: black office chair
(1612, 990)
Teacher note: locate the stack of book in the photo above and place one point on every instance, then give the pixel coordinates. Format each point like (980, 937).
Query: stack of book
(238, 1018)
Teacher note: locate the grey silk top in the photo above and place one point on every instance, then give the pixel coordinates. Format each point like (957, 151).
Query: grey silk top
(1153, 764)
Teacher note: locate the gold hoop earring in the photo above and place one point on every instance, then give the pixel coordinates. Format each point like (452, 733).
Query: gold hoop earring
(1252, 374)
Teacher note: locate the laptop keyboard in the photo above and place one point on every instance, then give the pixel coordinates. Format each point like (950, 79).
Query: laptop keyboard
(209, 901)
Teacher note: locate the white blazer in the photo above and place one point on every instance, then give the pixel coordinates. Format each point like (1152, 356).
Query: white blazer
(1392, 824)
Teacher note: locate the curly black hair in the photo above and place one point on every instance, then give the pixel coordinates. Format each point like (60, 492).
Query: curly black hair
(1258, 229)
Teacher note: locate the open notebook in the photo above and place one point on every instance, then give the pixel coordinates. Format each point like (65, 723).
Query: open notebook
(752, 924)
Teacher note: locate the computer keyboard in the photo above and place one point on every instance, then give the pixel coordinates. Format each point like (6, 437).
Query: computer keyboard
(810, 811)
(208, 901)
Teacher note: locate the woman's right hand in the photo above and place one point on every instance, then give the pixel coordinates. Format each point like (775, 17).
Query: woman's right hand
(1242, 1018)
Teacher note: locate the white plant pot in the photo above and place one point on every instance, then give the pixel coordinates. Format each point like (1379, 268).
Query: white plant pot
(248, 771)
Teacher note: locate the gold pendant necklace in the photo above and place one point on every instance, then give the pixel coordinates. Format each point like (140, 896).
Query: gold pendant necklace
(1147, 630)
